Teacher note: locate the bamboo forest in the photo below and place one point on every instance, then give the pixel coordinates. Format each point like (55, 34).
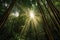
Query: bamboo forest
(29, 19)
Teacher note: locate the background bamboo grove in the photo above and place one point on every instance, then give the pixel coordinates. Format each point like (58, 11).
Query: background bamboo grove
(29, 19)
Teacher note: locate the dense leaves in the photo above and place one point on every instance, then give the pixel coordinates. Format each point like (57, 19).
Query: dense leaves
(15, 26)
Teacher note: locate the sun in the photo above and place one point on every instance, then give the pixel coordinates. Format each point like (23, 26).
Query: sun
(32, 14)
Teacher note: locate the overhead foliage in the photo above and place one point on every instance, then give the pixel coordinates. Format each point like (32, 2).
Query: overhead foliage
(29, 19)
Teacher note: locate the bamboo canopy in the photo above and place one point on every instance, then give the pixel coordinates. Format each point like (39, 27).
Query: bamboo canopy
(52, 30)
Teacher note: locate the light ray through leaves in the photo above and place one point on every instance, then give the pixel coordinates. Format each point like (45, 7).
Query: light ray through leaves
(32, 20)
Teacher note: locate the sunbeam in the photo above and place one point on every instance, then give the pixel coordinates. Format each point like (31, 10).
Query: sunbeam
(31, 21)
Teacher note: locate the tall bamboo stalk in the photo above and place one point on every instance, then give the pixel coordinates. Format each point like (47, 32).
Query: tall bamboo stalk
(55, 11)
(6, 14)
(47, 30)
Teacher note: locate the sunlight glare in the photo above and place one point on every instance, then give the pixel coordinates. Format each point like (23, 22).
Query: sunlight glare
(32, 21)
(16, 14)
(32, 14)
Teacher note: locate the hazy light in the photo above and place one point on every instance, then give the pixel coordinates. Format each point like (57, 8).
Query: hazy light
(36, 4)
(32, 14)
(6, 4)
(31, 0)
(41, 3)
(16, 14)
(32, 20)
(32, 5)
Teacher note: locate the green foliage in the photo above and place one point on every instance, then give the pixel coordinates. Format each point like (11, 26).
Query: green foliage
(13, 26)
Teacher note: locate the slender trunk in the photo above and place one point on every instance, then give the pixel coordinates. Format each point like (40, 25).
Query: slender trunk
(53, 21)
(6, 14)
(55, 11)
(47, 30)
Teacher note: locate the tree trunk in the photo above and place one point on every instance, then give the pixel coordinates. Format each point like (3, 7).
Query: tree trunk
(56, 30)
(6, 14)
(47, 30)
(55, 11)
